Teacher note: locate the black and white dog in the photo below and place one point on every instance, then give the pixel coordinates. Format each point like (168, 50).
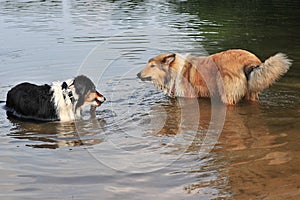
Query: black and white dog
(62, 101)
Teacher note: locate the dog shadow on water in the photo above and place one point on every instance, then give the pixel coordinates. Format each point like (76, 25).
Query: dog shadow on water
(53, 135)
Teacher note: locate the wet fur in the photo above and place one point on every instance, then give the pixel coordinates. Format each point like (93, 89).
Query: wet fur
(59, 101)
(232, 74)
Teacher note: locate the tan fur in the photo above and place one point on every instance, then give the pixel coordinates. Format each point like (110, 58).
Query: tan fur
(232, 74)
(269, 72)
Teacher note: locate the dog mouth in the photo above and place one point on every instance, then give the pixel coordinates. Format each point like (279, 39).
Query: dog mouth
(99, 99)
(99, 102)
(148, 78)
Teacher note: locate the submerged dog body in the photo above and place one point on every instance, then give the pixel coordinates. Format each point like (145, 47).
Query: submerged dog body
(59, 101)
(231, 74)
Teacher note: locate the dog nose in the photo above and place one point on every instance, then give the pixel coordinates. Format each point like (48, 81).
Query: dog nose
(139, 75)
(100, 97)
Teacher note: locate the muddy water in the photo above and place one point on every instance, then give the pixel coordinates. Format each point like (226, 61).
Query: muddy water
(141, 144)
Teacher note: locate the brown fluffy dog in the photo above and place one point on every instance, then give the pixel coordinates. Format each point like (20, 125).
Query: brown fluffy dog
(231, 74)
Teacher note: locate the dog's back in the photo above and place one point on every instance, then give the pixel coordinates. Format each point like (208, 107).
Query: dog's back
(31, 101)
(244, 75)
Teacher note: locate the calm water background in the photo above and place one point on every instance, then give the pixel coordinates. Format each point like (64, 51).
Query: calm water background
(141, 144)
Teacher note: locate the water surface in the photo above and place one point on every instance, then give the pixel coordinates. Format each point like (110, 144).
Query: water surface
(141, 144)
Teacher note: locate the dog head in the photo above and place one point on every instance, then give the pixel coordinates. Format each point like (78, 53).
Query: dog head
(85, 93)
(158, 69)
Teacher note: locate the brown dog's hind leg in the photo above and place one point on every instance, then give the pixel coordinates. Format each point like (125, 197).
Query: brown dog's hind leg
(231, 89)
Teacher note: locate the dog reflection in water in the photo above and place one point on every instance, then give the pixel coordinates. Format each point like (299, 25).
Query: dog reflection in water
(53, 135)
(62, 101)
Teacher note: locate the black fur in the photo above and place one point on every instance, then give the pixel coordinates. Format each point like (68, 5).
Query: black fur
(83, 86)
(28, 100)
(33, 102)
(248, 71)
(64, 86)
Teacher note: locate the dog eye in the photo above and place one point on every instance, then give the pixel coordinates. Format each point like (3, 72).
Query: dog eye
(152, 66)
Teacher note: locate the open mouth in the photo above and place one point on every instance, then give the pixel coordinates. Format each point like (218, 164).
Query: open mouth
(99, 99)
(99, 102)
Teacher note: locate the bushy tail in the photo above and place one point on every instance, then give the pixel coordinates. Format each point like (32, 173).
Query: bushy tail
(268, 72)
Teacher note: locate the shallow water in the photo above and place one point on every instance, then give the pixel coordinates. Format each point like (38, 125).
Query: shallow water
(141, 144)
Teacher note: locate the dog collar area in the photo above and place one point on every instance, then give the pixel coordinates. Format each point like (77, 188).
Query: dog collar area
(66, 90)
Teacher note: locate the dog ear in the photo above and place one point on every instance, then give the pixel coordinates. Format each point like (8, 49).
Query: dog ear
(168, 59)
